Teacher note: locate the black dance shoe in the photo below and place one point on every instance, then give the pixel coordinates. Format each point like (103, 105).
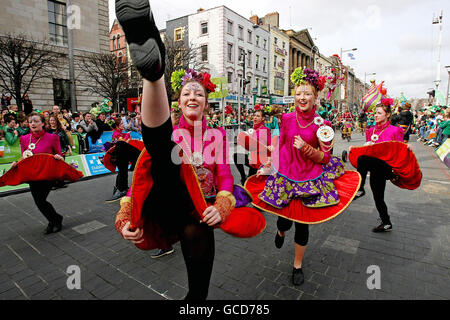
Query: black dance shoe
(360, 193)
(53, 227)
(279, 240)
(297, 276)
(146, 47)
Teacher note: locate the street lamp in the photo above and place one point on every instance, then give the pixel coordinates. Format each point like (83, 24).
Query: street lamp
(448, 84)
(365, 76)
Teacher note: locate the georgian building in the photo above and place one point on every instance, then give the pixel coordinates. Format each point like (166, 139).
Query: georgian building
(40, 20)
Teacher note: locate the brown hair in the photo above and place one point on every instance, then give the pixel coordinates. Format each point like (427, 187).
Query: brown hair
(58, 124)
(40, 115)
(116, 123)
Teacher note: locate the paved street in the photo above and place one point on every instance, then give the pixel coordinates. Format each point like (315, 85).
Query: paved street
(413, 259)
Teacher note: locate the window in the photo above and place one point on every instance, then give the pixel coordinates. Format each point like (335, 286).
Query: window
(257, 85)
(118, 41)
(230, 27)
(249, 36)
(57, 22)
(230, 77)
(257, 41)
(241, 33)
(284, 45)
(249, 57)
(241, 54)
(275, 61)
(178, 34)
(230, 52)
(264, 64)
(275, 40)
(257, 62)
(61, 92)
(114, 42)
(204, 53)
(279, 84)
(204, 28)
(265, 44)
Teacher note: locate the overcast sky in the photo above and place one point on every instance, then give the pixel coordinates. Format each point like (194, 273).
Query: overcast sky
(395, 38)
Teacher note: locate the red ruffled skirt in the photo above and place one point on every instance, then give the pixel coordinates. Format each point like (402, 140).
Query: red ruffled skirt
(243, 222)
(110, 165)
(38, 167)
(347, 185)
(396, 154)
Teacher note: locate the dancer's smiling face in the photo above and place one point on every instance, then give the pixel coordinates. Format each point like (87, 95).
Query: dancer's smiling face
(382, 114)
(305, 96)
(193, 101)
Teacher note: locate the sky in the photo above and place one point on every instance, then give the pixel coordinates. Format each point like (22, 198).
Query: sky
(394, 38)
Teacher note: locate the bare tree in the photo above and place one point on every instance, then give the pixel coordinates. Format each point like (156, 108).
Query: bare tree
(104, 74)
(179, 55)
(24, 61)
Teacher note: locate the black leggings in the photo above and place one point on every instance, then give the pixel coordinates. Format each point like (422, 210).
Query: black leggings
(169, 203)
(240, 160)
(125, 154)
(380, 171)
(40, 191)
(301, 230)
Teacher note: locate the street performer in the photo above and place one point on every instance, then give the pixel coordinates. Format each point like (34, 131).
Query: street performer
(387, 158)
(256, 140)
(41, 165)
(303, 183)
(182, 184)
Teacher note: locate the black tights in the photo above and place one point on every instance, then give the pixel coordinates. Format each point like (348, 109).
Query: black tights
(197, 240)
(240, 160)
(126, 153)
(301, 230)
(40, 191)
(380, 171)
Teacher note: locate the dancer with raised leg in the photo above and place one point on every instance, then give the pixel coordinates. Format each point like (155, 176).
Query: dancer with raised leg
(182, 188)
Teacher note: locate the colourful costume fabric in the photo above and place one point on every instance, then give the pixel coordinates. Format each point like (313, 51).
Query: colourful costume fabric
(308, 185)
(237, 220)
(390, 148)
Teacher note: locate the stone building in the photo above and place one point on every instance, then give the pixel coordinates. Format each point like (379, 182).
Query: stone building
(40, 20)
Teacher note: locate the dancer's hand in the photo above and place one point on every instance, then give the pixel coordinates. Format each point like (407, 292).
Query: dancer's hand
(58, 157)
(135, 236)
(298, 142)
(13, 164)
(211, 216)
(270, 148)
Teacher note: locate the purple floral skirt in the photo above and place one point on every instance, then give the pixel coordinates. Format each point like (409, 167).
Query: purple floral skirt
(320, 192)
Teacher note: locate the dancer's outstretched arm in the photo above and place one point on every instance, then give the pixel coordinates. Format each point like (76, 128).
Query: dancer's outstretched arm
(155, 107)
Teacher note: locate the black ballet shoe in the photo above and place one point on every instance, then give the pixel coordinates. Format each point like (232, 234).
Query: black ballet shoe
(53, 227)
(279, 240)
(49, 228)
(359, 194)
(146, 47)
(297, 276)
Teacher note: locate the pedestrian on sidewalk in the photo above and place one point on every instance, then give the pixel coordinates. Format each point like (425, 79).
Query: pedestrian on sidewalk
(298, 183)
(380, 161)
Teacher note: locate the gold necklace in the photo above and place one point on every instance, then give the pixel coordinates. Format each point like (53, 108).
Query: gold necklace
(375, 137)
(298, 122)
(31, 146)
(196, 158)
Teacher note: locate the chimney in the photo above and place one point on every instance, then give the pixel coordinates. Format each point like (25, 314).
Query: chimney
(254, 19)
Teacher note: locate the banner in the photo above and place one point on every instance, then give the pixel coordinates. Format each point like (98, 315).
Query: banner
(443, 152)
(10, 152)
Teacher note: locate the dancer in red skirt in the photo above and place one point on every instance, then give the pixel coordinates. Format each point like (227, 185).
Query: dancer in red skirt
(303, 183)
(387, 158)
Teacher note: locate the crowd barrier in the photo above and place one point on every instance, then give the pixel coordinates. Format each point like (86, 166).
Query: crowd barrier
(88, 163)
(443, 152)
